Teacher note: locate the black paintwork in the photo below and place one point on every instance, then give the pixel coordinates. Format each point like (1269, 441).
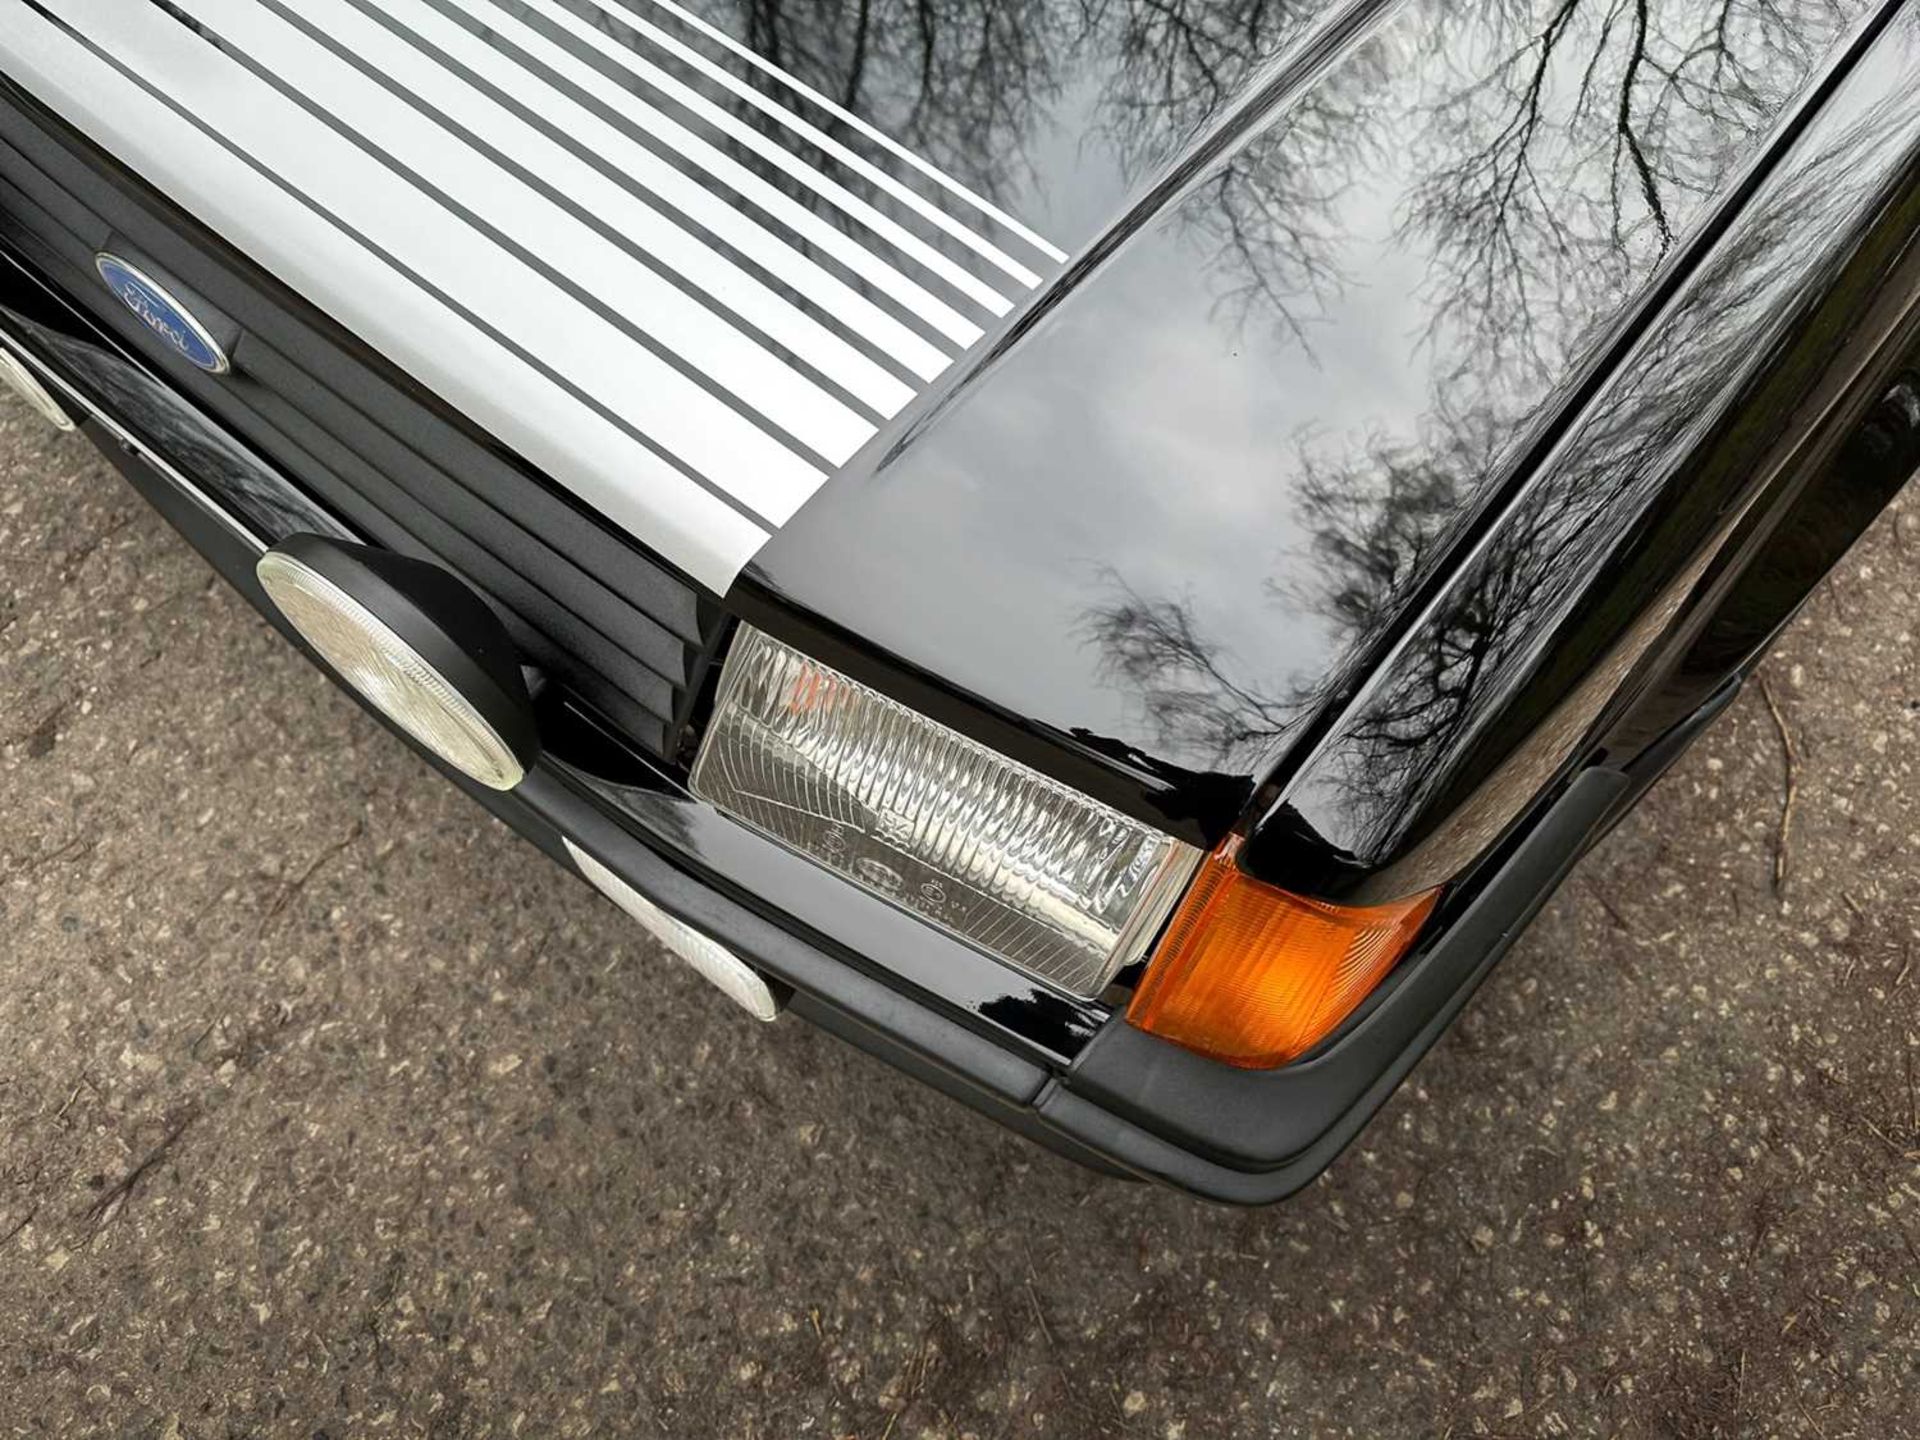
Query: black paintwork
(1153, 539)
(1671, 486)
(1179, 1119)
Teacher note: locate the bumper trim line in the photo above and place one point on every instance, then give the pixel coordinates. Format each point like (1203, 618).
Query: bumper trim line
(240, 530)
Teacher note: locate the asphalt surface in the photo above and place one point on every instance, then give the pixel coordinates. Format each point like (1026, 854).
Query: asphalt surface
(329, 1107)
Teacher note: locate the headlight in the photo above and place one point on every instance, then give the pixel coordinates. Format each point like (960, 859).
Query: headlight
(1016, 864)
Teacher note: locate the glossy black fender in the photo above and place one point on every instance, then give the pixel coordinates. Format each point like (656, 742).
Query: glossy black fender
(1669, 524)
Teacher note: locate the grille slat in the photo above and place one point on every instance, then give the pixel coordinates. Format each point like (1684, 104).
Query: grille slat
(609, 621)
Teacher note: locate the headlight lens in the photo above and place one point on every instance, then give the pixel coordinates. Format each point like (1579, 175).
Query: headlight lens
(1003, 857)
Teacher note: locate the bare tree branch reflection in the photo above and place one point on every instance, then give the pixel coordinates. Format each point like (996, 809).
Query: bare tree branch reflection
(1558, 151)
(1569, 144)
(962, 84)
(1549, 154)
(1265, 219)
(1153, 649)
(1268, 220)
(1677, 406)
(1376, 517)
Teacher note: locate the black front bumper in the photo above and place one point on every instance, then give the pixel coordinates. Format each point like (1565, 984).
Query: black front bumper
(1074, 1078)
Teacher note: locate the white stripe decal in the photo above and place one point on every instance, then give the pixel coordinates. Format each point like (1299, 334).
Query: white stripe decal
(840, 112)
(830, 190)
(622, 212)
(703, 207)
(500, 218)
(522, 216)
(819, 138)
(729, 172)
(574, 344)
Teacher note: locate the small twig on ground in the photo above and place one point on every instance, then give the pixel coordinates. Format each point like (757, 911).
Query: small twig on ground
(85, 1082)
(295, 886)
(1913, 1098)
(1046, 1332)
(1893, 1145)
(123, 1188)
(80, 554)
(61, 1114)
(25, 1220)
(1613, 913)
(193, 1050)
(1033, 1295)
(1833, 595)
(75, 849)
(38, 738)
(1792, 787)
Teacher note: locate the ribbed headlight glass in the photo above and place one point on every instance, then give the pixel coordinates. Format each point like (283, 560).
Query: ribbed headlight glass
(1017, 864)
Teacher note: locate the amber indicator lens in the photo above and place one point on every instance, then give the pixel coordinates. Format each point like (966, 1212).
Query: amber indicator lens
(1254, 976)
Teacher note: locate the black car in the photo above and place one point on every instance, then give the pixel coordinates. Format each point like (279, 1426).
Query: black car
(1112, 554)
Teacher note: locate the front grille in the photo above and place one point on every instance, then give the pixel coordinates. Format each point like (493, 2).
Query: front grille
(609, 621)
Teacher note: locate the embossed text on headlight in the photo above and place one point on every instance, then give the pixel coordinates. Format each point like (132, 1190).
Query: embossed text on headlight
(1010, 861)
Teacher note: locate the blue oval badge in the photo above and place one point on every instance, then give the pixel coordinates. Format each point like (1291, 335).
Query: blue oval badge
(164, 315)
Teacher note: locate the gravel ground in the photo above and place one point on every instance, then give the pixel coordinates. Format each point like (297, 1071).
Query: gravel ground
(329, 1108)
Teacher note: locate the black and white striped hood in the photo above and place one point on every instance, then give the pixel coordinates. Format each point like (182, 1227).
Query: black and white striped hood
(683, 282)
